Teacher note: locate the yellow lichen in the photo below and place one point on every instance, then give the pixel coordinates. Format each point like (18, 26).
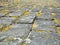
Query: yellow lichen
(39, 30)
(13, 16)
(53, 14)
(24, 44)
(34, 26)
(56, 20)
(39, 14)
(58, 30)
(26, 13)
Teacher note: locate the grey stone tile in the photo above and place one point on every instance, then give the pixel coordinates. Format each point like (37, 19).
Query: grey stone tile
(45, 16)
(27, 18)
(15, 13)
(45, 22)
(42, 38)
(5, 22)
(17, 30)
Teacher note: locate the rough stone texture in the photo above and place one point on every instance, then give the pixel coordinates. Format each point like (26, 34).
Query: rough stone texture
(29, 28)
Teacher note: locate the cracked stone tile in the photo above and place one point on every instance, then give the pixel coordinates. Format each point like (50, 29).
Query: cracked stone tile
(41, 30)
(42, 38)
(18, 30)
